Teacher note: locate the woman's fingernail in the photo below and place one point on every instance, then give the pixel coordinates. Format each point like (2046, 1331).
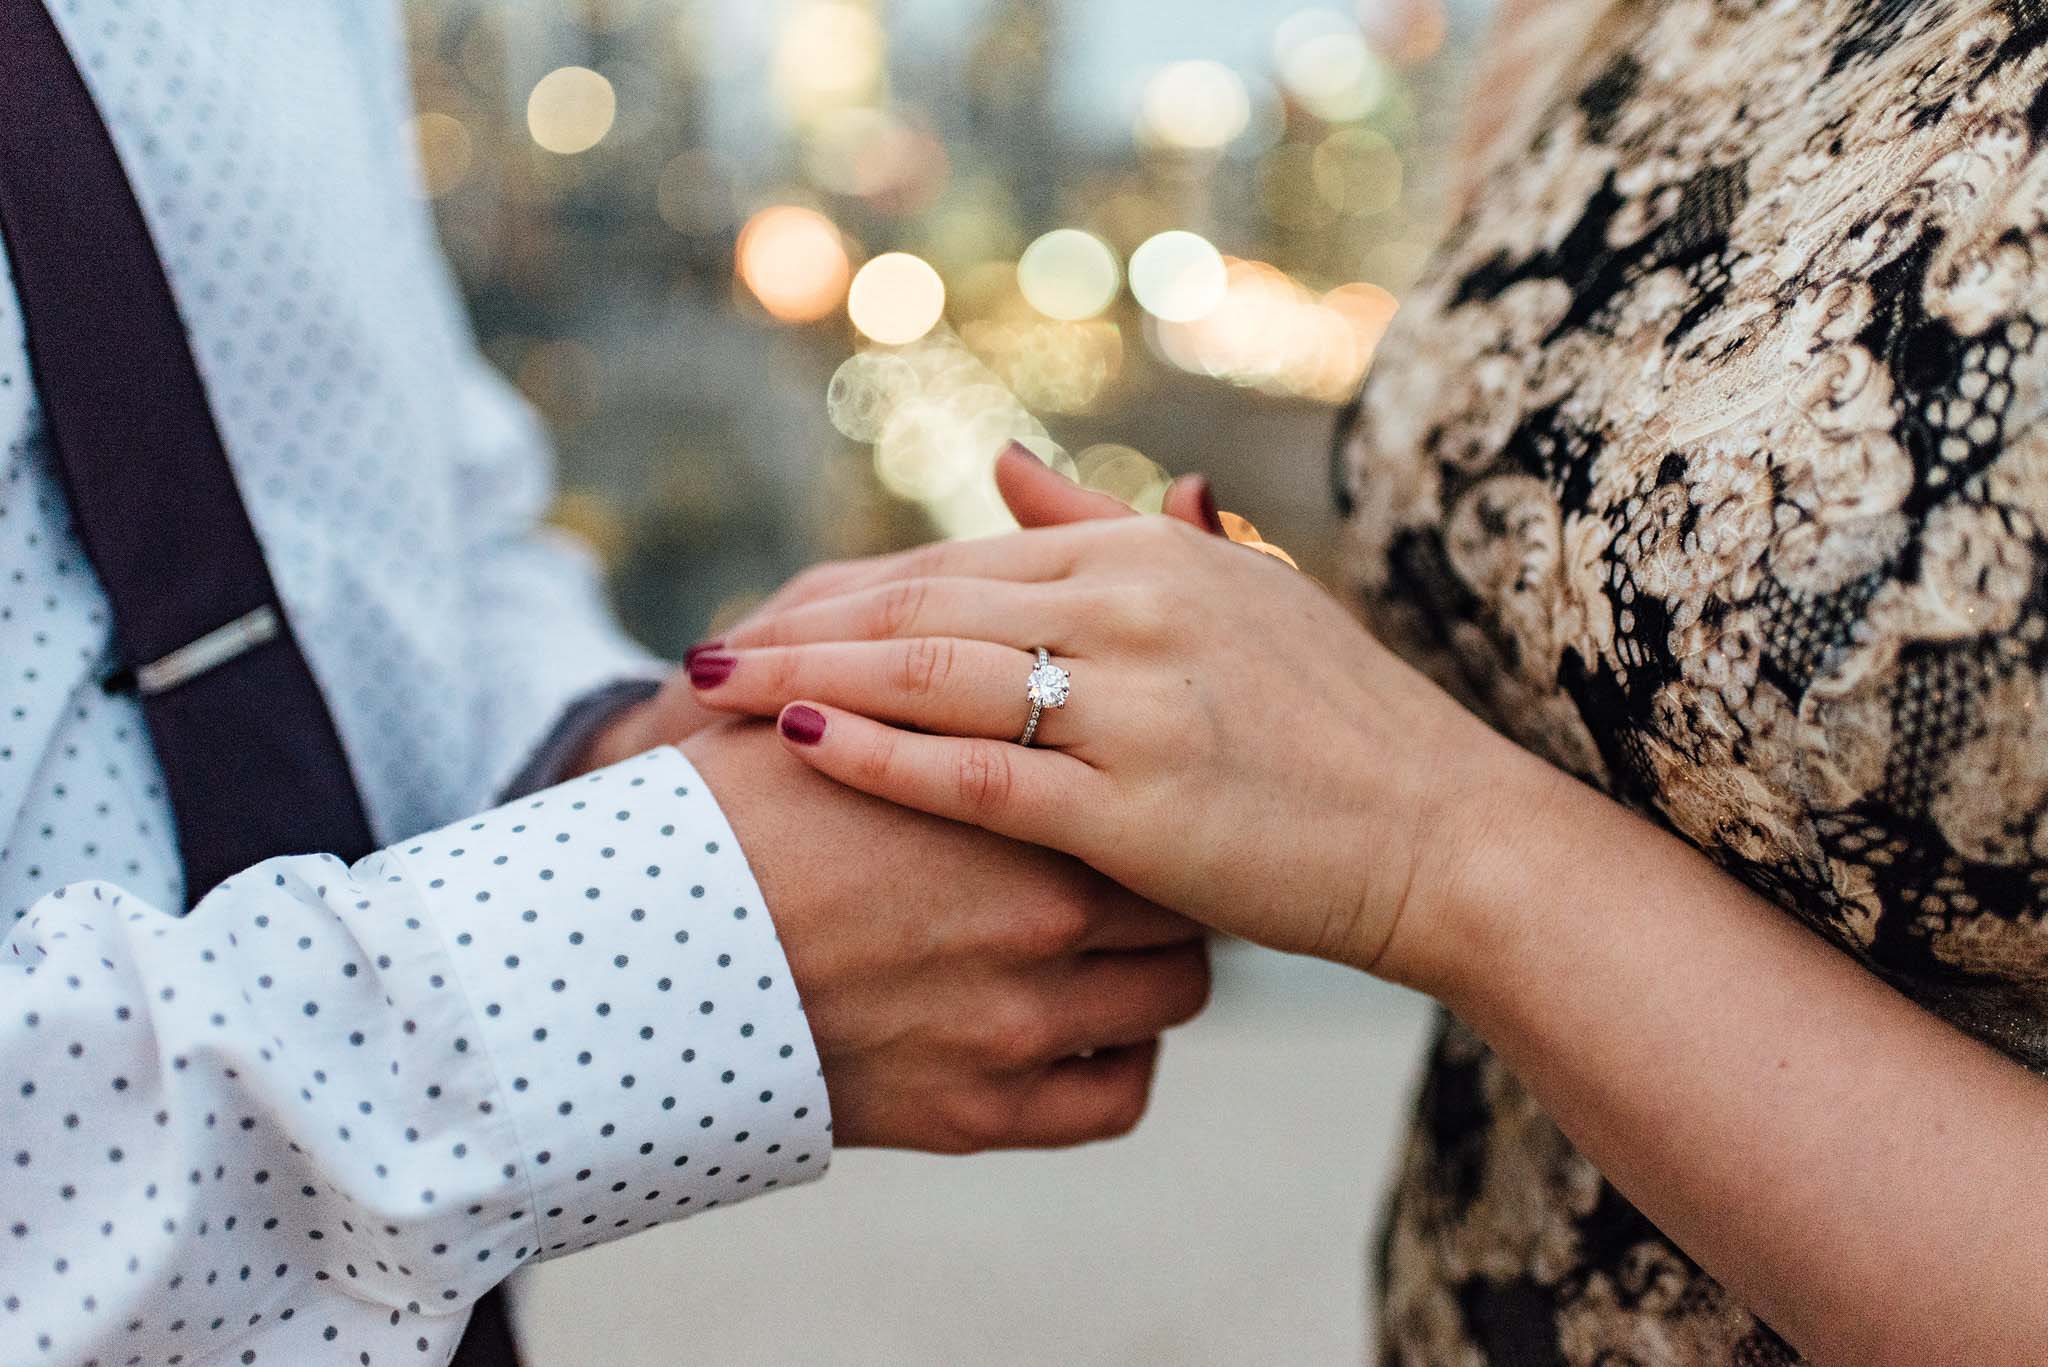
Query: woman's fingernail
(804, 725)
(1018, 448)
(1205, 498)
(701, 648)
(709, 669)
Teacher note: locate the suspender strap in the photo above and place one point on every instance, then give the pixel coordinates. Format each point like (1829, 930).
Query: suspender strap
(252, 760)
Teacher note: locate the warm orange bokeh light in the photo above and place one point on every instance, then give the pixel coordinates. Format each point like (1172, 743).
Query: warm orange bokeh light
(794, 261)
(1368, 309)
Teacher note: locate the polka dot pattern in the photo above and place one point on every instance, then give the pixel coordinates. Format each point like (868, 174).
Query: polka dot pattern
(311, 1122)
(322, 1114)
(396, 481)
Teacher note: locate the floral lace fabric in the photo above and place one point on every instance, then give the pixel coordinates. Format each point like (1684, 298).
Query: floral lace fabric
(1710, 461)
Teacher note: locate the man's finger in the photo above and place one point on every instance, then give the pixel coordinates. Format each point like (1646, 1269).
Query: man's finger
(1106, 1001)
(1138, 924)
(1087, 1099)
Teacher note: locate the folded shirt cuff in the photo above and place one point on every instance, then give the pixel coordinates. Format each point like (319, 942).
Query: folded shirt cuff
(635, 1004)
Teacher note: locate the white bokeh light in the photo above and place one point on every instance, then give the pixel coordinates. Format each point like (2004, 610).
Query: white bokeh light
(1069, 275)
(896, 299)
(1178, 277)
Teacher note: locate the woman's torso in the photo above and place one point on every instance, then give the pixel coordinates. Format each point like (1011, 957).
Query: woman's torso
(1709, 461)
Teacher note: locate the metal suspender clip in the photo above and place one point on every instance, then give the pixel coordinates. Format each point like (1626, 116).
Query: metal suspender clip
(209, 652)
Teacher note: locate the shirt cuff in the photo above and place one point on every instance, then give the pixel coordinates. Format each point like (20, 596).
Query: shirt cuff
(634, 1001)
(578, 725)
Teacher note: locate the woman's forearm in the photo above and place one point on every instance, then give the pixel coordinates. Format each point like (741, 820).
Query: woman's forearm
(1865, 1177)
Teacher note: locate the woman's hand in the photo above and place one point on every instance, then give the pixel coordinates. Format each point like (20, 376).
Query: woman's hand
(1236, 746)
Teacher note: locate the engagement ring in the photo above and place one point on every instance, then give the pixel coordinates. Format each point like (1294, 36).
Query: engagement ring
(1048, 686)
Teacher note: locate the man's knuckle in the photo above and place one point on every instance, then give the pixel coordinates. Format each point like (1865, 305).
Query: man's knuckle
(1017, 1036)
(1043, 928)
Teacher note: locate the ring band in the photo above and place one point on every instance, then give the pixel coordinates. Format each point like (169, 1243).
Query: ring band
(1047, 686)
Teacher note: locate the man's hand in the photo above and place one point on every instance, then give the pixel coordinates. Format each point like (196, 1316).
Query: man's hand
(953, 980)
(965, 992)
(670, 717)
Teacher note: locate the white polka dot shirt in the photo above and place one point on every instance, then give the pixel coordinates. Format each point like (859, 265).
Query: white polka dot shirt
(315, 1119)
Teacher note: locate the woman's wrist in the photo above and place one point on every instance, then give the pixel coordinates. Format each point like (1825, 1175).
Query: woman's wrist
(1495, 815)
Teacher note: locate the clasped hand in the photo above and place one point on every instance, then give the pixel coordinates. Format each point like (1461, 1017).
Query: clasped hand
(1237, 747)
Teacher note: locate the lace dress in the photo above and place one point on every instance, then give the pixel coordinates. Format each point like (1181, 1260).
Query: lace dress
(1709, 461)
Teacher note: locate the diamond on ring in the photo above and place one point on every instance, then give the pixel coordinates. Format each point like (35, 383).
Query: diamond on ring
(1047, 686)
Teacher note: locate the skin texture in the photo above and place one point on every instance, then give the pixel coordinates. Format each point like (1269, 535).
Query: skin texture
(949, 1012)
(1036, 499)
(1238, 749)
(949, 1009)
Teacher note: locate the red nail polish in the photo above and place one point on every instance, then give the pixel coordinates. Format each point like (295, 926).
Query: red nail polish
(804, 725)
(710, 669)
(1206, 498)
(1018, 448)
(702, 647)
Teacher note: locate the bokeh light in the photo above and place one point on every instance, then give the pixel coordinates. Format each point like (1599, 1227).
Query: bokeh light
(922, 454)
(794, 261)
(1053, 206)
(865, 390)
(1367, 309)
(1357, 171)
(881, 156)
(828, 56)
(1069, 275)
(1245, 534)
(444, 149)
(1405, 32)
(1178, 277)
(571, 109)
(1325, 63)
(1272, 334)
(896, 299)
(1198, 106)
(1123, 473)
(1052, 367)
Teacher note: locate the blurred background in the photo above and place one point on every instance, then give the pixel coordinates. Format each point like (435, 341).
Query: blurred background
(782, 276)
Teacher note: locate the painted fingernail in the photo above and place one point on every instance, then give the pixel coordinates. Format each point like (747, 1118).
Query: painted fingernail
(1018, 448)
(804, 725)
(1205, 498)
(710, 669)
(701, 648)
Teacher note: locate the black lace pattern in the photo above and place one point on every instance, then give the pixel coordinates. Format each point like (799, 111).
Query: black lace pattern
(1709, 461)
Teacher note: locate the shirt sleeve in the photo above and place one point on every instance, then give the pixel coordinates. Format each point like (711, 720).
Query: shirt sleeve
(321, 1115)
(542, 635)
